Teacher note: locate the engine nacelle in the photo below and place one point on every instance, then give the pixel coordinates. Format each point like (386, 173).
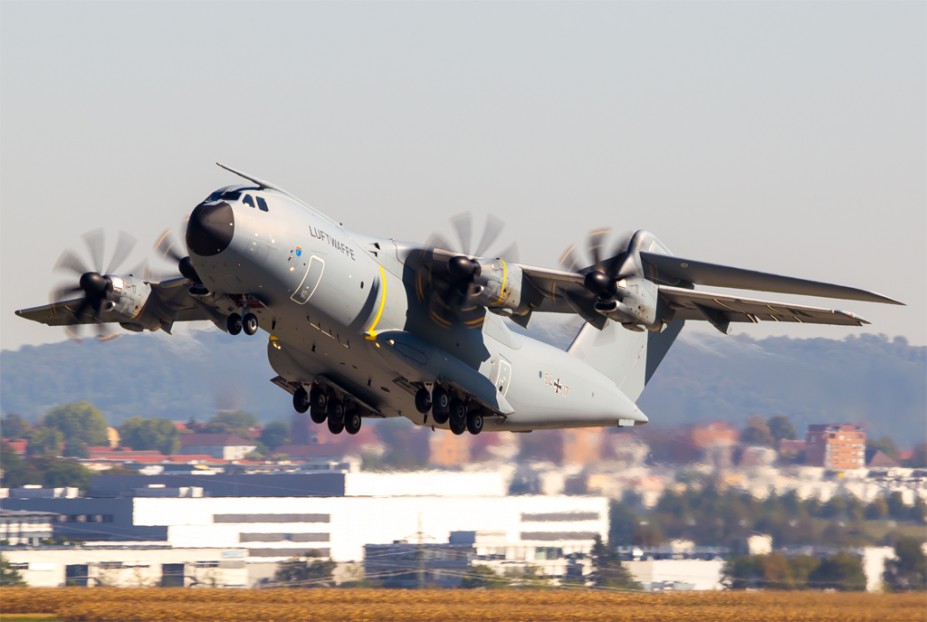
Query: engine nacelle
(635, 304)
(500, 287)
(128, 297)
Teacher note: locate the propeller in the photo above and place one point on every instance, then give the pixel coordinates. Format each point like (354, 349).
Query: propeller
(94, 280)
(168, 247)
(454, 288)
(603, 275)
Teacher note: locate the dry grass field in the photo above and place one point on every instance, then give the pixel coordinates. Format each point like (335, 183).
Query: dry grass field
(192, 605)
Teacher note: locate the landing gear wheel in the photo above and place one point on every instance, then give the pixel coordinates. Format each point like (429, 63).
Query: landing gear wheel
(475, 422)
(319, 405)
(335, 417)
(440, 404)
(423, 400)
(301, 400)
(233, 324)
(458, 416)
(249, 323)
(318, 398)
(352, 422)
(317, 415)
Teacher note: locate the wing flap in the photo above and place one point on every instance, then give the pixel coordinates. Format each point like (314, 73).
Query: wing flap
(673, 270)
(721, 308)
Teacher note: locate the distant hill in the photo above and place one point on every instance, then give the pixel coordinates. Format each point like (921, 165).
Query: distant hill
(871, 380)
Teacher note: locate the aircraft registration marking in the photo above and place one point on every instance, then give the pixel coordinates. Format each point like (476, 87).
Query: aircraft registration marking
(555, 385)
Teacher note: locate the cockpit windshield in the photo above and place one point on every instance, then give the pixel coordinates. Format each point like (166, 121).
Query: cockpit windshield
(229, 193)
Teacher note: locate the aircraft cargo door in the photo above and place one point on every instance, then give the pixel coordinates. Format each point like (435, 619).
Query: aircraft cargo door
(310, 280)
(503, 375)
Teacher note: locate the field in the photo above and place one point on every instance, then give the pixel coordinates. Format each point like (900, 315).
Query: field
(192, 605)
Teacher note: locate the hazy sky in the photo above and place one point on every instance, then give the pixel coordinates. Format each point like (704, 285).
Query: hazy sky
(783, 136)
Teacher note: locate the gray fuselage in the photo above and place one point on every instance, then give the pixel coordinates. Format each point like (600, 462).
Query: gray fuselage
(335, 301)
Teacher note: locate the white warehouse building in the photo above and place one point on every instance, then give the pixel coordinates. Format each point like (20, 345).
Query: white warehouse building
(275, 528)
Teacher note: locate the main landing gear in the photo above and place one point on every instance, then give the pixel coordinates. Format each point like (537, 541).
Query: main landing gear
(445, 408)
(325, 407)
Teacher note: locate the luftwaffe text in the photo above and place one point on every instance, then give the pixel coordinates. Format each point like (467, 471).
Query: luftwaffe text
(336, 244)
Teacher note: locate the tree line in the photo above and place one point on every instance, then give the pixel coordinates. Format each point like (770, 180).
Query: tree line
(842, 571)
(710, 516)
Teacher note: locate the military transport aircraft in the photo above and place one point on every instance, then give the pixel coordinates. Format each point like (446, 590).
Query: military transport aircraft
(362, 326)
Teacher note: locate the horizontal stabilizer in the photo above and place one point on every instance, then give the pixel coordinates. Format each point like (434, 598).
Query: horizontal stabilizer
(672, 270)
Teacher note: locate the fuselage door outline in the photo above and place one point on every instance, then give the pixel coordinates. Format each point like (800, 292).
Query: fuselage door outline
(503, 376)
(310, 281)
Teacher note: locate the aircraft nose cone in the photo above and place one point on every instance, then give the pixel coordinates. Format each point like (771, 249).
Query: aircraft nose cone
(210, 229)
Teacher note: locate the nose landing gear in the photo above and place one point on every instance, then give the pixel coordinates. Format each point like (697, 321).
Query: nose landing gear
(249, 323)
(245, 321)
(233, 324)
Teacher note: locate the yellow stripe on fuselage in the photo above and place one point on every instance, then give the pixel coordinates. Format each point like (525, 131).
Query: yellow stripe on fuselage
(372, 331)
(505, 279)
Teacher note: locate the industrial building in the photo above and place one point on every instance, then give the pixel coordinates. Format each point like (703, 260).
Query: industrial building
(127, 565)
(361, 509)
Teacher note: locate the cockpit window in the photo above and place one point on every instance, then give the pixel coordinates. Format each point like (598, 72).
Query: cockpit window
(262, 204)
(248, 200)
(228, 193)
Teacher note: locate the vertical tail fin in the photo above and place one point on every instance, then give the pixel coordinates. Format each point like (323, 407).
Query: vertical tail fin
(629, 358)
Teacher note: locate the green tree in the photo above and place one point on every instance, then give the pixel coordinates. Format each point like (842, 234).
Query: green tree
(232, 422)
(58, 473)
(13, 426)
(908, 570)
(275, 434)
(896, 506)
(621, 523)
(530, 578)
(607, 571)
(299, 572)
(648, 533)
(9, 576)
(781, 427)
(877, 509)
(741, 572)
(483, 577)
(16, 471)
(801, 567)
(842, 572)
(150, 434)
(756, 432)
(75, 449)
(78, 421)
(45, 442)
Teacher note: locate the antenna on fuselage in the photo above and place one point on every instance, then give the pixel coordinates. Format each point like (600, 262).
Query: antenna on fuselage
(260, 182)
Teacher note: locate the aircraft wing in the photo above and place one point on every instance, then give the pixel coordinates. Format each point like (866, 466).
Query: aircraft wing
(563, 292)
(169, 301)
(721, 309)
(672, 270)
